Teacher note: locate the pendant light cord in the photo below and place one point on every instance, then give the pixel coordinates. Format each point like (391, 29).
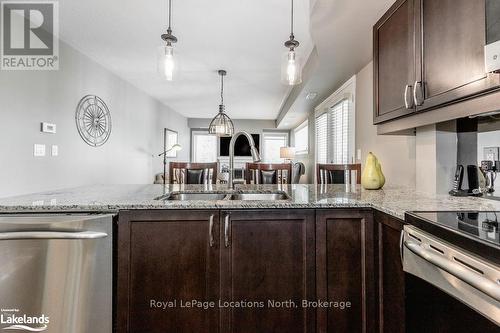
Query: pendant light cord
(169, 14)
(222, 89)
(291, 21)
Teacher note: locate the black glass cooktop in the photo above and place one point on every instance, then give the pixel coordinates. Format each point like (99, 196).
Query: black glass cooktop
(482, 226)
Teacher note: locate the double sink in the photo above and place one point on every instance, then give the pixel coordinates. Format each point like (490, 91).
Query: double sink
(237, 196)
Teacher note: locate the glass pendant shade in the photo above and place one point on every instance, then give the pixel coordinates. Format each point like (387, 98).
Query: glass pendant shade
(221, 125)
(167, 65)
(291, 68)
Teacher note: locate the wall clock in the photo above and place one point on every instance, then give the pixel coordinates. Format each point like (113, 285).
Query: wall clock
(93, 120)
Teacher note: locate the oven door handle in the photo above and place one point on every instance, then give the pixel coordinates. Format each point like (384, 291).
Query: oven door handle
(51, 235)
(475, 280)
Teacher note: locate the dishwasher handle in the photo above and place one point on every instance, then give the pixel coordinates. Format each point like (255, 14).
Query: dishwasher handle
(475, 280)
(12, 235)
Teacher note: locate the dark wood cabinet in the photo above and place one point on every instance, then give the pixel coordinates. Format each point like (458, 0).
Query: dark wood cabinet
(429, 54)
(257, 266)
(389, 274)
(167, 256)
(345, 272)
(268, 258)
(394, 62)
(450, 51)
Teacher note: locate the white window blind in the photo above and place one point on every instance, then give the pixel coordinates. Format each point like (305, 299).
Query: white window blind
(339, 129)
(302, 139)
(322, 138)
(333, 134)
(272, 144)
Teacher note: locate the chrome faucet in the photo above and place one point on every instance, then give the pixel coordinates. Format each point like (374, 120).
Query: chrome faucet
(253, 151)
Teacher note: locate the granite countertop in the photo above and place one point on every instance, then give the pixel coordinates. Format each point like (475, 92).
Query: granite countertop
(112, 198)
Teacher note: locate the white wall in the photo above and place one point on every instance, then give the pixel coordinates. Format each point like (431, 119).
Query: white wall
(31, 97)
(426, 154)
(395, 153)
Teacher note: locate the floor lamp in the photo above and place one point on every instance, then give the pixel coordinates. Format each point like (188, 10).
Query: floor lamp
(175, 147)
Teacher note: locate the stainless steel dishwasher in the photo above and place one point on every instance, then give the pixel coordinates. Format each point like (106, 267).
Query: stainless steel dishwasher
(462, 275)
(56, 273)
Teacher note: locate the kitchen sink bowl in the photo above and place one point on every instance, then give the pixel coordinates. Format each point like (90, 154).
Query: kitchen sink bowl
(260, 196)
(197, 196)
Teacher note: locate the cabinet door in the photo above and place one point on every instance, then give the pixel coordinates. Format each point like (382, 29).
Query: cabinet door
(344, 258)
(268, 257)
(394, 62)
(450, 52)
(167, 256)
(390, 274)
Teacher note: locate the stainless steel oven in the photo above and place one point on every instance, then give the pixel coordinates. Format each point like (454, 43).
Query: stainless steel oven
(470, 279)
(56, 273)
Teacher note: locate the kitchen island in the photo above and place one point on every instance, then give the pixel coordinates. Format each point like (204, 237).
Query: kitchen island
(229, 265)
(392, 200)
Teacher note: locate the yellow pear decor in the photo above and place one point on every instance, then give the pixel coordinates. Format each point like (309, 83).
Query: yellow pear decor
(372, 177)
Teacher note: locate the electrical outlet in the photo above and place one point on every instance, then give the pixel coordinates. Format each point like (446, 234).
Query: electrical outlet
(490, 153)
(38, 150)
(492, 57)
(55, 150)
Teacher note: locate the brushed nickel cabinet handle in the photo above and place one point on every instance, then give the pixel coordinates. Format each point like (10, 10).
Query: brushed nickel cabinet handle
(418, 85)
(226, 231)
(408, 104)
(401, 246)
(211, 231)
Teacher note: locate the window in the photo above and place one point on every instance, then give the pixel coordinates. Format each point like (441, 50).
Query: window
(272, 144)
(332, 134)
(339, 129)
(335, 127)
(204, 147)
(302, 139)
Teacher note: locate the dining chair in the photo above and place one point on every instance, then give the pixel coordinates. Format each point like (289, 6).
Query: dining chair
(337, 173)
(268, 173)
(193, 173)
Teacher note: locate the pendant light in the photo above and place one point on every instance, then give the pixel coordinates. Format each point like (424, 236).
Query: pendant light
(221, 125)
(166, 59)
(291, 70)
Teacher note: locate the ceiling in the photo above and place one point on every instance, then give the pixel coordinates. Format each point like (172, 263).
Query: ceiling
(342, 34)
(244, 37)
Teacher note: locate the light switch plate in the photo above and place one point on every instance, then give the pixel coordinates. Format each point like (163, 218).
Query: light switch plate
(55, 150)
(490, 153)
(38, 150)
(359, 155)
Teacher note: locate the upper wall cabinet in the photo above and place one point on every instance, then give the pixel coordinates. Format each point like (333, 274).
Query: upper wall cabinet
(445, 39)
(394, 62)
